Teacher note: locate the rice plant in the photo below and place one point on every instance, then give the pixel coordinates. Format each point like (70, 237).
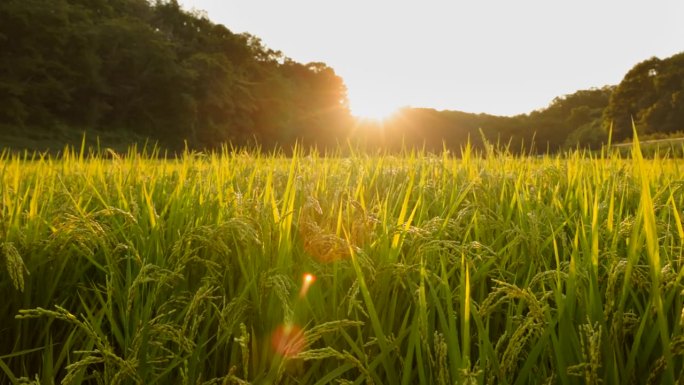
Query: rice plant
(237, 267)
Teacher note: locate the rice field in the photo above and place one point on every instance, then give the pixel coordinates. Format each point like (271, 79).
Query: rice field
(243, 268)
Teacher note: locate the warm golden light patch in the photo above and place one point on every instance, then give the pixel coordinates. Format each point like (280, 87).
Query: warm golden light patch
(288, 340)
(376, 110)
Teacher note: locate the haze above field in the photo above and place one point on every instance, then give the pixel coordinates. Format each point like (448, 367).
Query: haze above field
(499, 57)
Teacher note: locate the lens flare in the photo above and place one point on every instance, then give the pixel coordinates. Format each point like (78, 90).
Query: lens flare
(288, 340)
(307, 280)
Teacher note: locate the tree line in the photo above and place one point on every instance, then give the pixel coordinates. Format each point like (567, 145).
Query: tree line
(150, 69)
(153, 69)
(650, 97)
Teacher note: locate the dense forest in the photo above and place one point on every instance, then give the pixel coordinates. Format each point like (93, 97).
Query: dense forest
(137, 70)
(153, 70)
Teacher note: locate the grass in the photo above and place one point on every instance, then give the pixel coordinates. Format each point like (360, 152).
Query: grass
(430, 269)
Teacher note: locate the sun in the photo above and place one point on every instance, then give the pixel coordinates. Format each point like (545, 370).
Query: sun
(375, 110)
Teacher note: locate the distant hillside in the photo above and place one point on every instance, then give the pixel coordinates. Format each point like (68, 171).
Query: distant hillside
(568, 121)
(651, 94)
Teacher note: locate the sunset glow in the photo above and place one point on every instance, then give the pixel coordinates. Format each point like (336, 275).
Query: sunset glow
(372, 109)
(498, 57)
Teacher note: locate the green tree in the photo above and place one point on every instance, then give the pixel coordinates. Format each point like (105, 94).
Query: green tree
(152, 69)
(650, 95)
(33, 43)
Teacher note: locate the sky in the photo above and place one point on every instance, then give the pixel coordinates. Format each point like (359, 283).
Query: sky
(503, 57)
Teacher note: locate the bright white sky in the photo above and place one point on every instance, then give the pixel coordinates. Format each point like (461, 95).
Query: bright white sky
(497, 56)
